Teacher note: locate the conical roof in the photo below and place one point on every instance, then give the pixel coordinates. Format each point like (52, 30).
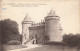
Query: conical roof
(27, 18)
(52, 13)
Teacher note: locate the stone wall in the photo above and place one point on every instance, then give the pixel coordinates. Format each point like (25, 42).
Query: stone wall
(37, 32)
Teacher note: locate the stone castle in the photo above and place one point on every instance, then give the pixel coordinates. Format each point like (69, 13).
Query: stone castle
(49, 30)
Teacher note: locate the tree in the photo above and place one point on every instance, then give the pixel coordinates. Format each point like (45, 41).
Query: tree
(9, 31)
(72, 40)
(0, 37)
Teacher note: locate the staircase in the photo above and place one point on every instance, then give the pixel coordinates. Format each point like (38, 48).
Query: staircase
(31, 41)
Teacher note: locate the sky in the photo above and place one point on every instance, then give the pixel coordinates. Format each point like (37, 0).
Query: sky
(68, 10)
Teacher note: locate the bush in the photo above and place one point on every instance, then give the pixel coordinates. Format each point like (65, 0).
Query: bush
(13, 42)
(71, 39)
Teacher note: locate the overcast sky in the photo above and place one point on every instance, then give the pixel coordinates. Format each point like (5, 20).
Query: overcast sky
(68, 10)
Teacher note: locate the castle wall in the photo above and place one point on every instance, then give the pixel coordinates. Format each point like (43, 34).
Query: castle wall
(37, 32)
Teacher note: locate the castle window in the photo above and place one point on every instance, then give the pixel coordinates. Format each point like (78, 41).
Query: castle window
(24, 34)
(25, 37)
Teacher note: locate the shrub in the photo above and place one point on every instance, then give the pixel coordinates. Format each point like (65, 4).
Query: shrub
(13, 42)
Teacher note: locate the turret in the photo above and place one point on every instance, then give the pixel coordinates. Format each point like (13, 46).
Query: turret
(52, 27)
(26, 23)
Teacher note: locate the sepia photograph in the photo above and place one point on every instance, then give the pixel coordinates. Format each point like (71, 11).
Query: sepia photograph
(39, 25)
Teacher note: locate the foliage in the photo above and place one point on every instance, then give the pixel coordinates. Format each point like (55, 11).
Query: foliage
(9, 31)
(72, 40)
(0, 33)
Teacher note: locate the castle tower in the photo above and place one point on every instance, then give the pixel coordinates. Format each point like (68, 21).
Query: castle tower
(26, 23)
(52, 27)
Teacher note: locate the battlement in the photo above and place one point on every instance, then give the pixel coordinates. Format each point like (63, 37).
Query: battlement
(38, 24)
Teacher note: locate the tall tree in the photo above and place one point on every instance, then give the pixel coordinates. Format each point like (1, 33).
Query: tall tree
(9, 31)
